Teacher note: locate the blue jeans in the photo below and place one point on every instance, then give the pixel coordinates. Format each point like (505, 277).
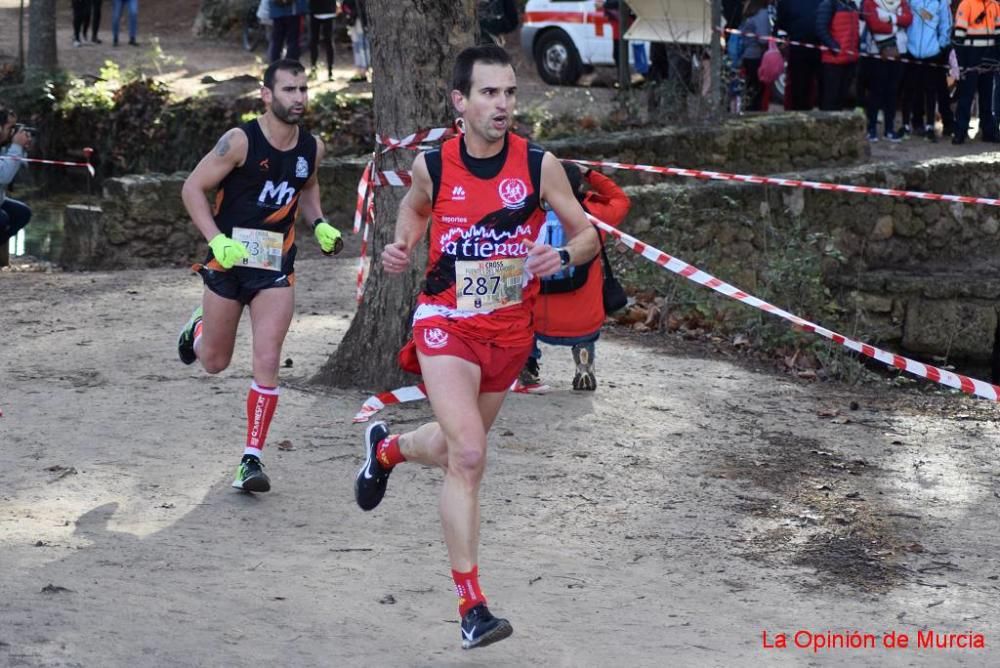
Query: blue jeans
(359, 47)
(564, 341)
(14, 216)
(133, 18)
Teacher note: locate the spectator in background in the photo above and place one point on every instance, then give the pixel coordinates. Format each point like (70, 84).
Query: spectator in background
(758, 22)
(797, 18)
(975, 42)
(357, 28)
(95, 21)
(81, 19)
(286, 16)
(837, 27)
(732, 13)
(321, 14)
(569, 310)
(927, 41)
(496, 19)
(14, 215)
(886, 21)
(133, 20)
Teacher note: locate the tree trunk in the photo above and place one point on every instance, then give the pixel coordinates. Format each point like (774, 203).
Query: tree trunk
(716, 97)
(413, 48)
(42, 56)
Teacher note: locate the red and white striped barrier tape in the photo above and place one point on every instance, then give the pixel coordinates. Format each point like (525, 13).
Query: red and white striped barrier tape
(990, 67)
(823, 47)
(414, 140)
(363, 186)
(793, 183)
(404, 179)
(692, 273)
(935, 374)
(394, 178)
(61, 163)
(363, 259)
(375, 403)
(374, 178)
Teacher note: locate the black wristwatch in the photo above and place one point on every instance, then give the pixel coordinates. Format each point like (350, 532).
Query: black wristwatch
(564, 258)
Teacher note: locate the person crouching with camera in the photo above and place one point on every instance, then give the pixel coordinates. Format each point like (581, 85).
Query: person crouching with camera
(15, 140)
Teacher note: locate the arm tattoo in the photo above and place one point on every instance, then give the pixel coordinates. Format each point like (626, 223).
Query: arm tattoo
(222, 147)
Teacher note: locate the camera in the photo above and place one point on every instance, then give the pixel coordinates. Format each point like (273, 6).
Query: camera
(27, 128)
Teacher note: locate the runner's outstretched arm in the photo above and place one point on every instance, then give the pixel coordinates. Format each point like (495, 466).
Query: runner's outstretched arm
(411, 222)
(230, 152)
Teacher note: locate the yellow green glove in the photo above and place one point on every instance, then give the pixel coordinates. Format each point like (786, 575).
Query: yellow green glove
(227, 251)
(328, 237)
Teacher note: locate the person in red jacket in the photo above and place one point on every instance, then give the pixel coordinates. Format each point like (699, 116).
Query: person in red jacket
(569, 310)
(887, 21)
(837, 27)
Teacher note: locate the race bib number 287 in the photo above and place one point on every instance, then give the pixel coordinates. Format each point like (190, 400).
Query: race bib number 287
(486, 285)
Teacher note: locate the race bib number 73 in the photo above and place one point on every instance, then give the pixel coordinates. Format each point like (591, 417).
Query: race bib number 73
(263, 246)
(486, 285)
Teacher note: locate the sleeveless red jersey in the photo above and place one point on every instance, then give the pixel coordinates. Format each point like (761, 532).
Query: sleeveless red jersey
(479, 224)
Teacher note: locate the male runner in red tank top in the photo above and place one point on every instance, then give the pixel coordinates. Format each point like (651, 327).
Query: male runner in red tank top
(263, 173)
(472, 329)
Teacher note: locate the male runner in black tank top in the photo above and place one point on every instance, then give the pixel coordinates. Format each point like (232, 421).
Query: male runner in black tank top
(263, 173)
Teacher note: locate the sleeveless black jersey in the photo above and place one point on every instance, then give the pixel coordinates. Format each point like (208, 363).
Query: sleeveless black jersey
(264, 192)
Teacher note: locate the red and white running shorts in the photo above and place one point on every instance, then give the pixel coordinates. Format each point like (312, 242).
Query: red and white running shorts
(500, 365)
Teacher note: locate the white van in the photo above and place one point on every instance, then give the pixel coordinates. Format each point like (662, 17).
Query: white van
(566, 36)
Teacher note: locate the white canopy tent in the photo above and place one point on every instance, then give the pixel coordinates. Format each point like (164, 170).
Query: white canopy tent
(677, 21)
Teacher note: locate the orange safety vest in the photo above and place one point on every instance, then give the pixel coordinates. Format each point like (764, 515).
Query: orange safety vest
(976, 23)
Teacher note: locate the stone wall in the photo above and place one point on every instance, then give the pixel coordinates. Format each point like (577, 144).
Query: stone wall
(142, 222)
(915, 274)
(757, 144)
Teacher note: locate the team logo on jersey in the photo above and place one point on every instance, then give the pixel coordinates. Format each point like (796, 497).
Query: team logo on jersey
(513, 192)
(265, 164)
(435, 338)
(458, 193)
(301, 168)
(275, 196)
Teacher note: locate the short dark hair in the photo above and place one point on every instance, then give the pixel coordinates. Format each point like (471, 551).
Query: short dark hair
(5, 115)
(487, 54)
(285, 65)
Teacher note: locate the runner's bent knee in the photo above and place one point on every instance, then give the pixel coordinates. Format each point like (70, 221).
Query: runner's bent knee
(215, 362)
(467, 460)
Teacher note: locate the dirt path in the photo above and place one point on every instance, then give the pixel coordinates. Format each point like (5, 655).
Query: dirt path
(668, 519)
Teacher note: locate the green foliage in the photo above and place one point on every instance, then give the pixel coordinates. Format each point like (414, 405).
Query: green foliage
(99, 95)
(346, 123)
(790, 277)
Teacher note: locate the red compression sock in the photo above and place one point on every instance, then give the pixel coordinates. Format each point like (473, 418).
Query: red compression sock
(467, 588)
(261, 402)
(388, 452)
